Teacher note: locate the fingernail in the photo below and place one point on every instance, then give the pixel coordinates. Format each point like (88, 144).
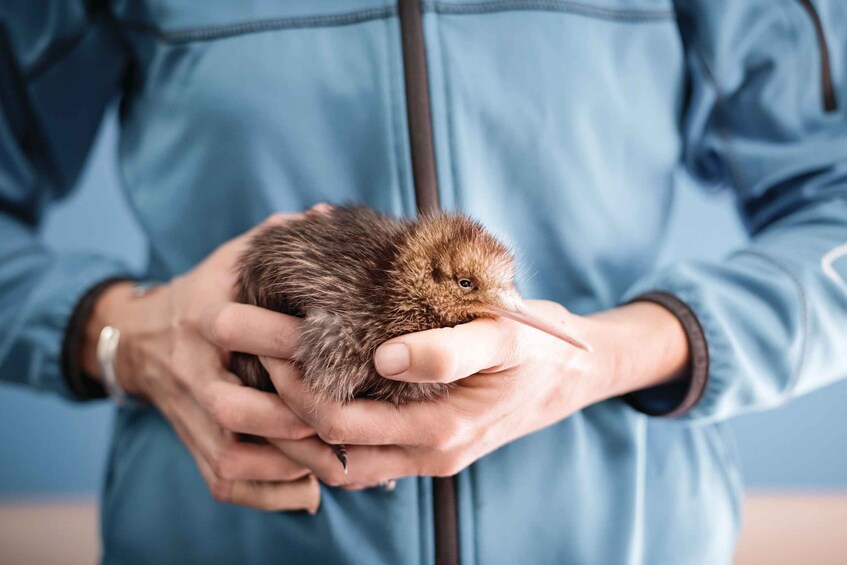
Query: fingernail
(341, 454)
(392, 359)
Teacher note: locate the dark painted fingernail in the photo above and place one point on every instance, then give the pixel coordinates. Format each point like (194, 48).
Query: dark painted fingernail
(341, 453)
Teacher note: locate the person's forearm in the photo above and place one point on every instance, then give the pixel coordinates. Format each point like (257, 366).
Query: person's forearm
(642, 345)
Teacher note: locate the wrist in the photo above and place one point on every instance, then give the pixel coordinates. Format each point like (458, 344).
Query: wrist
(117, 307)
(639, 345)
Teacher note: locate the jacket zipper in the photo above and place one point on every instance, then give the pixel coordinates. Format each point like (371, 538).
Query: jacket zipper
(445, 511)
(830, 104)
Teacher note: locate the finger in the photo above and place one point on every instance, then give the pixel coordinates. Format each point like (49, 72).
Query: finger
(321, 208)
(300, 494)
(303, 494)
(251, 329)
(289, 385)
(229, 458)
(241, 409)
(370, 465)
(363, 422)
(241, 460)
(445, 355)
(220, 489)
(262, 465)
(229, 252)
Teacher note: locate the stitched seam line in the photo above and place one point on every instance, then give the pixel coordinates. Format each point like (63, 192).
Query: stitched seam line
(351, 18)
(788, 390)
(244, 28)
(564, 6)
(721, 124)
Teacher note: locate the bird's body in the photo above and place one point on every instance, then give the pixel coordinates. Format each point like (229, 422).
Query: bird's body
(339, 271)
(360, 278)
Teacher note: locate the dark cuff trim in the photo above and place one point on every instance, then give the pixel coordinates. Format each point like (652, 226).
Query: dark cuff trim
(81, 385)
(698, 375)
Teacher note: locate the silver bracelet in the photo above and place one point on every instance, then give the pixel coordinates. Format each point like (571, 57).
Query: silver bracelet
(107, 350)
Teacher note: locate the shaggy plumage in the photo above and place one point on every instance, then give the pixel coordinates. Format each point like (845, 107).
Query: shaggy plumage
(359, 278)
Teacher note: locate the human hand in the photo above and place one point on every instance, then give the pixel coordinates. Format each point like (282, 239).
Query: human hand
(508, 381)
(174, 352)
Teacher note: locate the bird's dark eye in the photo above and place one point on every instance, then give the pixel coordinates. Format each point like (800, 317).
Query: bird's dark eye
(466, 284)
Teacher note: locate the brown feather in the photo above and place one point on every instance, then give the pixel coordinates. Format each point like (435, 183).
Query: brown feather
(360, 278)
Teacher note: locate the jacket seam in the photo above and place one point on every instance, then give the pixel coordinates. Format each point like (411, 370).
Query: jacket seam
(189, 35)
(63, 47)
(563, 6)
(52, 55)
(721, 125)
(449, 122)
(791, 385)
(33, 140)
(393, 128)
(829, 98)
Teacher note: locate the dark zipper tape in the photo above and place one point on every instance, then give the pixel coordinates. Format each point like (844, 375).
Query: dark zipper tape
(446, 516)
(417, 106)
(830, 103)
(424, 175)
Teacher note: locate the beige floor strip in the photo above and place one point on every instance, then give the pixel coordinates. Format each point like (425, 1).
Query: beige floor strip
(779, 529)
(794, 529)
(48, 533)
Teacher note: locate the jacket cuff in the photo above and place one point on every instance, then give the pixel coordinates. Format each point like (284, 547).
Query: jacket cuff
(82, 386)
(678, 397)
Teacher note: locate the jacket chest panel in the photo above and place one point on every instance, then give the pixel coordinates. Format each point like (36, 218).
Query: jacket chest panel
(531, 109)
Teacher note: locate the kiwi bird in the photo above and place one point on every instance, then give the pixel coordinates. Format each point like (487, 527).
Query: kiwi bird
(360, 278)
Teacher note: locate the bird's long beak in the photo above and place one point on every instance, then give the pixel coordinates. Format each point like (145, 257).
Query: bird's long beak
(511, 306)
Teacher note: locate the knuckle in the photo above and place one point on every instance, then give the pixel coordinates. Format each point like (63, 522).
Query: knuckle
(178, 366)
(443, 365)
(451, 435)
(221, 490)
(448, 465)
(290, 473)
(224, 413)
(558, 308)
(282, 338)
(331, 433)
(223, 326)
(298, 431)
(514, 346)
(275, 218)
(225, 465)
(183, 377)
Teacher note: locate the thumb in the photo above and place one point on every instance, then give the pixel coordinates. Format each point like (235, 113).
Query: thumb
(445, 355)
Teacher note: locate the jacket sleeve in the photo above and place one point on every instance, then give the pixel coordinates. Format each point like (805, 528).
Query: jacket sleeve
(60, 65)
(766, 115)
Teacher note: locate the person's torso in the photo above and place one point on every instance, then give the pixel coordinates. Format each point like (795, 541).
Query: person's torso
(555, 123)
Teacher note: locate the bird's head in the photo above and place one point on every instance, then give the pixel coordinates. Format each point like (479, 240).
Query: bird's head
(452, 267)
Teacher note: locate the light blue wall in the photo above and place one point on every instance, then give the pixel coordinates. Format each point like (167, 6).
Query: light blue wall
(49, 447)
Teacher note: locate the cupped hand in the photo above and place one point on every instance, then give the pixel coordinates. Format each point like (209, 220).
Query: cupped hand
(507, 381)
(174, 352)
